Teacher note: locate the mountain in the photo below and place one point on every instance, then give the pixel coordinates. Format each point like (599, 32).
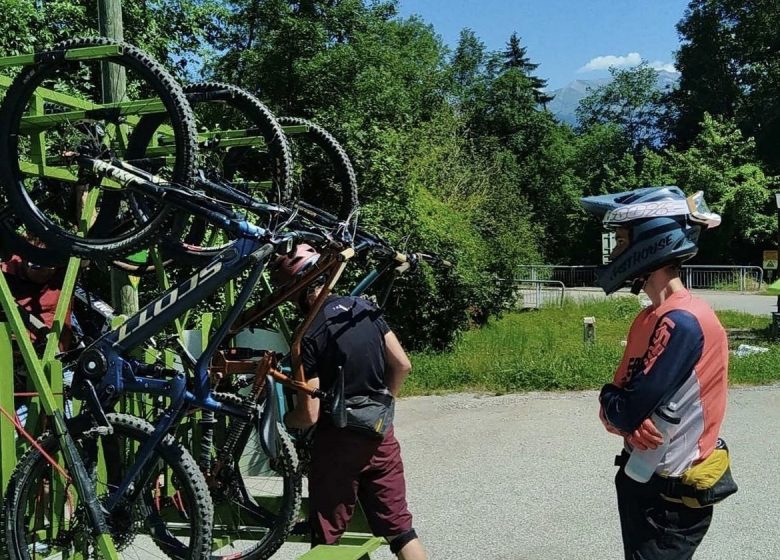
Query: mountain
(566, 99)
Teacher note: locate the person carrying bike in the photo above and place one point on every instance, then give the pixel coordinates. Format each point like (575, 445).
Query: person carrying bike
(350, 338)
(675, 363)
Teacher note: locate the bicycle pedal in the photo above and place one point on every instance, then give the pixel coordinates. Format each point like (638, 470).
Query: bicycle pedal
(100, 431)
(301, 528)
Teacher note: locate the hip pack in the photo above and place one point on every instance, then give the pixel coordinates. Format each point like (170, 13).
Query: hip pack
(371, 415)
(705, 483)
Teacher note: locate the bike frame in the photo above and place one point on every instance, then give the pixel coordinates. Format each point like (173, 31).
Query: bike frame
(103, 361)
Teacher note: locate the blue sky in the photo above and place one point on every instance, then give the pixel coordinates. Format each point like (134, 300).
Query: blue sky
(569, 39)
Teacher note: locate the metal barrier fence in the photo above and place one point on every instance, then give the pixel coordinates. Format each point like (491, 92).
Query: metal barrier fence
(569, 276)
(533, 294)
(705, 277)
(713, 277)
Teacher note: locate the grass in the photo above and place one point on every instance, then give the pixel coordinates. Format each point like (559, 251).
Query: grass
(543, 350)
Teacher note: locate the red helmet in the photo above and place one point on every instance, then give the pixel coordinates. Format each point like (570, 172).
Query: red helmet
(285, 268)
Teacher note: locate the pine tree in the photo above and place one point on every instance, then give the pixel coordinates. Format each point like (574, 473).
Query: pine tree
(515, 57)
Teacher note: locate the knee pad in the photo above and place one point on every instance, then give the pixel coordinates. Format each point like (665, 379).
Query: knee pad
(402, 540)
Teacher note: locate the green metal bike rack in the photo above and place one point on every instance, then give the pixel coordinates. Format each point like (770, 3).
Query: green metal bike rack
(359, 551)
(45, 372)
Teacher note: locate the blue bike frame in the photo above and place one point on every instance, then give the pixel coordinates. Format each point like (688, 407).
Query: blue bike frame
(104, 362)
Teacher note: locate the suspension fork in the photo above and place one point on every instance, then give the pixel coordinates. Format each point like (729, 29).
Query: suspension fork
(237, 426)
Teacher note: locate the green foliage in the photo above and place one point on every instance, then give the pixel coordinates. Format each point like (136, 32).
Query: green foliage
(729, 64)
(171, 30)
(544, 350)
(721, 162)
(631, 101)
(468, 62)
(452, 210)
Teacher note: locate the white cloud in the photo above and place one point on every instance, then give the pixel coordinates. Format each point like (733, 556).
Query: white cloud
(605, 62)
(665, 66)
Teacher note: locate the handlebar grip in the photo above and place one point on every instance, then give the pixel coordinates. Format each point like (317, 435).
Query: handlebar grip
(263, 252)
(434, 259)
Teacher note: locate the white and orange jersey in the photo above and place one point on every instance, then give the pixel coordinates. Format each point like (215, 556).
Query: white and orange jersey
(677, 352)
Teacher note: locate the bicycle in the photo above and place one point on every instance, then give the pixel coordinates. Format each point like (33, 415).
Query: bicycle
(131, 489)
(156, 486)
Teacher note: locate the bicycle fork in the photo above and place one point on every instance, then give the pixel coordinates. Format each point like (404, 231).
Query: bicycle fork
(84, 488)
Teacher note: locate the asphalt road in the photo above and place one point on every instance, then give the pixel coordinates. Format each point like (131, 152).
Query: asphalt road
(737, 301)
(530, 477)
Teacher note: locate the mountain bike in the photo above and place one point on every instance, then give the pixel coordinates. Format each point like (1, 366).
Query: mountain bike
(124, 476)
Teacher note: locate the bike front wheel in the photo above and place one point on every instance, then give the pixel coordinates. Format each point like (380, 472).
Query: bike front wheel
(171, 516)
(256, 499)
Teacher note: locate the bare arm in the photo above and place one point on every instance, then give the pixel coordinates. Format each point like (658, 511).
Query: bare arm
(397, 363)
(307, 409)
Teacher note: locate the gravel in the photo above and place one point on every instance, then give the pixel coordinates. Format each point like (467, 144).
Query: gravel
(530, 477)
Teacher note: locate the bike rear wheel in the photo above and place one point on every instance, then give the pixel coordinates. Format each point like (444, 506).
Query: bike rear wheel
(44, 136)
(257, 500)
(231, 153)
(315, 184)
(170, 519)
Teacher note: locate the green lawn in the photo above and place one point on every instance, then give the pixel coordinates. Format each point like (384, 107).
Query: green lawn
(543, 350)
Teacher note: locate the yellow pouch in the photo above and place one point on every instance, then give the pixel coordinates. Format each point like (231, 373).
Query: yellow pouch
(706, 483)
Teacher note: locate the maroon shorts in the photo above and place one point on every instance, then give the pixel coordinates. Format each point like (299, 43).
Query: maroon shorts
(347, 466)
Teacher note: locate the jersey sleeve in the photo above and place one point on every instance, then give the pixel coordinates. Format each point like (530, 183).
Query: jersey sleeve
(675, 347)
(621, 372)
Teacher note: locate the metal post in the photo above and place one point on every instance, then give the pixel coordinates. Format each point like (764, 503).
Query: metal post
(742, 279)
(589, 330)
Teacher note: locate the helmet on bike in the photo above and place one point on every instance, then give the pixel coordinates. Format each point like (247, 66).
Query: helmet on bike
(285, 268)
(663, 224)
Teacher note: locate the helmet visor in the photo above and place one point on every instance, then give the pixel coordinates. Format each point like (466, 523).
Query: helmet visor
(700, 212)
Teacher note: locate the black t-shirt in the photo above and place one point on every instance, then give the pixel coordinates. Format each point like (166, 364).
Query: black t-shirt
(348, 332)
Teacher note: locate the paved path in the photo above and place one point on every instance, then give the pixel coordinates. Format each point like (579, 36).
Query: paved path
(529, 477)
(738, 301)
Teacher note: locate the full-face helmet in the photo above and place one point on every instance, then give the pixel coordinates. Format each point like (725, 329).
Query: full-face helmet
(663, 224)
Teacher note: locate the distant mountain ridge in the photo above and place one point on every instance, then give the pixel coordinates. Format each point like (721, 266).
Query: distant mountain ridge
(566, 99)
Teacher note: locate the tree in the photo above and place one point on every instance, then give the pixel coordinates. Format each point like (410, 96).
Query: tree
(724, 164)
(729, 64)
(272, 47)
(468, 62)
(632, 102)
(709, 72)
(173, 31)
(515, 57)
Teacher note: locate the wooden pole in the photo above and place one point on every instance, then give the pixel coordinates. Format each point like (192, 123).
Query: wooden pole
(124, 288)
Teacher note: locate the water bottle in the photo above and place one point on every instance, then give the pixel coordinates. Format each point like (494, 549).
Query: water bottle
(642, 464)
